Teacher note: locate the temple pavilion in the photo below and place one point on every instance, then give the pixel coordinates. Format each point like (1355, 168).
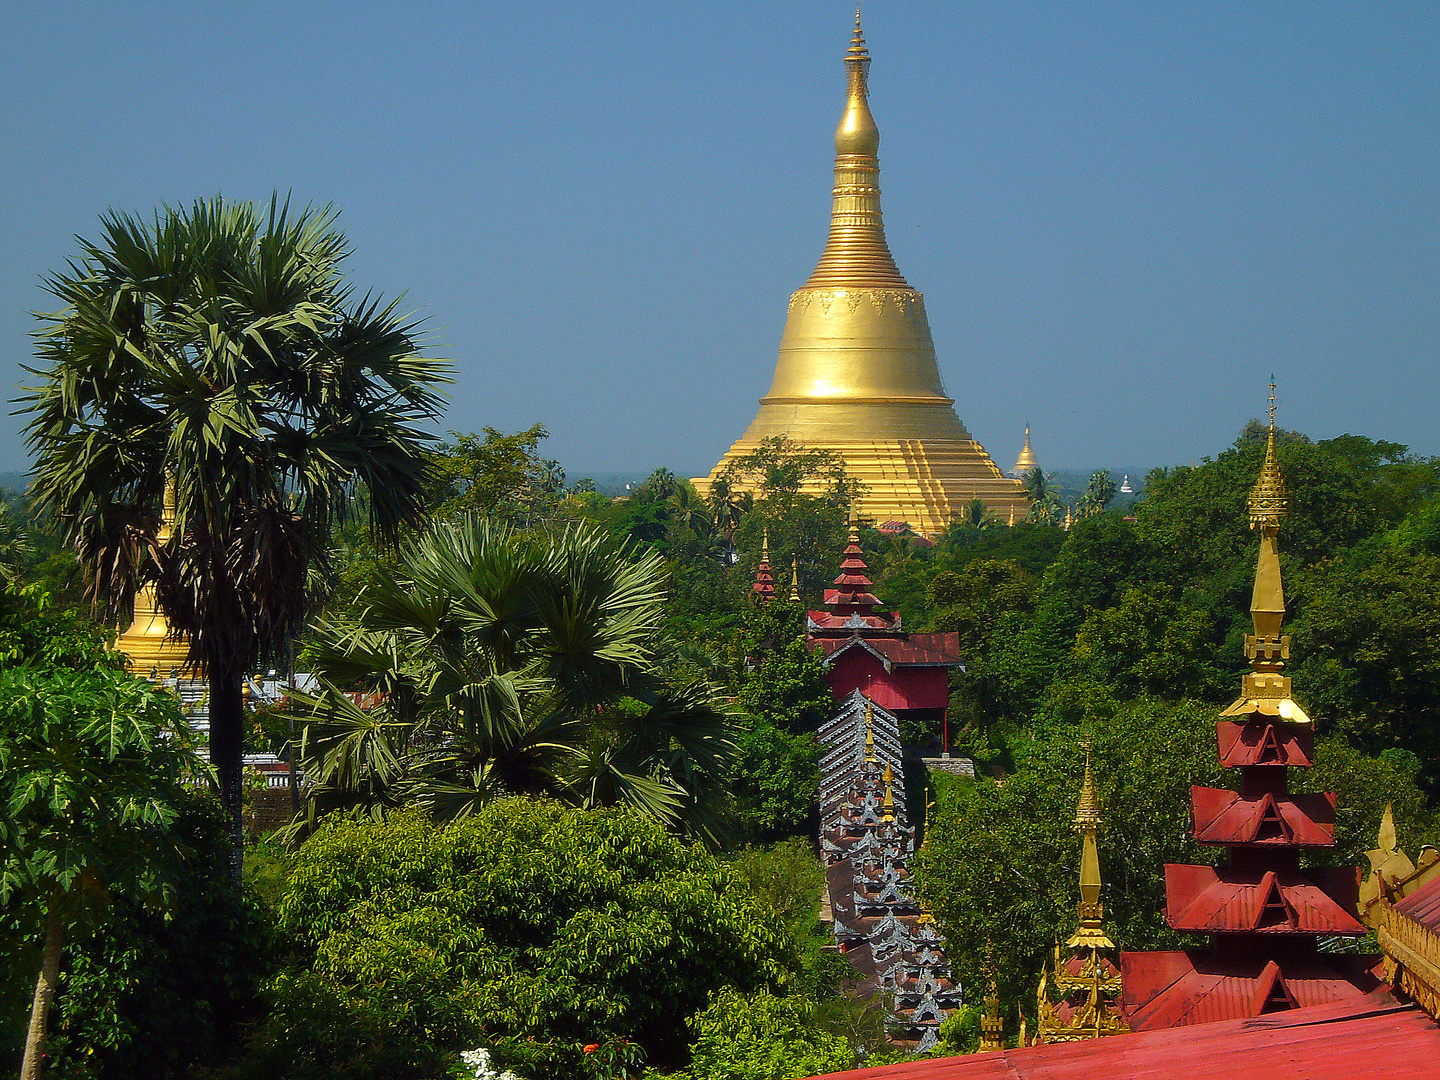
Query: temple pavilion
(857, 373)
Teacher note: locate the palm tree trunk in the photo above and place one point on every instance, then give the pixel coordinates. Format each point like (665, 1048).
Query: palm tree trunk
(44, 995)
(227, 737)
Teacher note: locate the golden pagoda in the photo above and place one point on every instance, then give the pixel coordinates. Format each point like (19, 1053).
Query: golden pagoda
(147, 643)
(1027, 460)
(857, 373)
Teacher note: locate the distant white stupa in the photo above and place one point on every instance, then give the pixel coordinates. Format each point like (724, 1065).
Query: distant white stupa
(1125, 488)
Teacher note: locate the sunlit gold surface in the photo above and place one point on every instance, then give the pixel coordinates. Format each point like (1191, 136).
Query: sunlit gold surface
(857, 373)
(146, 642)
(1265, 689)
(1027, 460)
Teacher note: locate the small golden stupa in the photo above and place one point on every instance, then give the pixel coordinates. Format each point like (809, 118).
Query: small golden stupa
(1027, 459)
(857, 373)
(147, 643)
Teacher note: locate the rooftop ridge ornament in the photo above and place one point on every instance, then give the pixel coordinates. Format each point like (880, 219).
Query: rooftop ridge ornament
(794, 579)
(869, 730)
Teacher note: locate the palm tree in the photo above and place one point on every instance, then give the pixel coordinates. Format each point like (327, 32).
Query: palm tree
(689, 509)
(496, 662)
(218, 353)
(1044, 502)
(1099, 493)
(977, 516)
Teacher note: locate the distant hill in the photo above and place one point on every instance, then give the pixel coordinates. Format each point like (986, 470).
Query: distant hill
(13, 483)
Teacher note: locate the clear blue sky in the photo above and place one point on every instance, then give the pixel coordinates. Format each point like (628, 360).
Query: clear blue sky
(1123, 217)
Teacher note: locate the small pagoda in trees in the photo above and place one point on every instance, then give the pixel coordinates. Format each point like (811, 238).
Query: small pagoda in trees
(763, 591)
(1262, 911)
(865, 648)
(1086, 980)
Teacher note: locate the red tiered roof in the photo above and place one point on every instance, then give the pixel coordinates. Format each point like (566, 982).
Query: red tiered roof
(867, 649)
(1204, 900)
(764, 587)
(1263, 913)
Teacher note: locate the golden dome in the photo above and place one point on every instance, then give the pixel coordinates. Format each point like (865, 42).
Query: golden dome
(1027, 460)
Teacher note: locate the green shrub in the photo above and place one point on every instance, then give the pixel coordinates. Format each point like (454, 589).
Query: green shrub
(763, 1037)
(529, 928)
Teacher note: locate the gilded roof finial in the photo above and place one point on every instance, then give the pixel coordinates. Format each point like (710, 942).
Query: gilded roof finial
(854, 521)
(1089, 933)
(794, 579)
(1265, 689)
(765, 546)
(992, 1028)
(887, 808)
(1268, 498)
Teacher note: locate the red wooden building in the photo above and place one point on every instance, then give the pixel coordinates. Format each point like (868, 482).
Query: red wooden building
(867, 649)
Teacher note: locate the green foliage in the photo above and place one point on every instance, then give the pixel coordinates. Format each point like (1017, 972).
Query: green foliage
(772, 784)
(160, 996)
(499, 476)
(1151, 644)
(526, 921)
(967, 601)
(761, 1036)
(786, 876)
(506, 663)
(91, 763)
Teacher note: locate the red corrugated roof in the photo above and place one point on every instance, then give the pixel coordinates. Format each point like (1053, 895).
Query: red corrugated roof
(1226, 817)
(1259, 742)
(1423, 906)
(1175, 989)
(909, 650)
(1370, 1036)
(1202, 900)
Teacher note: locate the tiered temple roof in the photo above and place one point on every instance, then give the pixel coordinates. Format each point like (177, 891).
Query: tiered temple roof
(1263, 912)
(866, 845)
(764, 588)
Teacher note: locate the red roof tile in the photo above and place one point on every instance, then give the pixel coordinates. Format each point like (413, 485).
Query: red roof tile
(909, 650)
(1226, 817)
(1200, 899)
(1327, 1042)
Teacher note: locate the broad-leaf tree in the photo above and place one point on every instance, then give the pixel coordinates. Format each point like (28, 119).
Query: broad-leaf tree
(91, 763)
(218, 351)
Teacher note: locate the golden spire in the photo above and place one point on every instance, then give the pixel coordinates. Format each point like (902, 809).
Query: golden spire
(765, 546)
(887, 811)
(1265, 689)
(794, 579)
(1089, 932)
(857, 255)
(1027, 460)
(1012, 515)
(854, 520)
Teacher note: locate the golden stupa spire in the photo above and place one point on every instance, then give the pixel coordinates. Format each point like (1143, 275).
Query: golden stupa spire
(1089, 932)
(869, 731)
(1265, 689)
(887, 808)
(794, 579)
(765, 545)
(856, 255)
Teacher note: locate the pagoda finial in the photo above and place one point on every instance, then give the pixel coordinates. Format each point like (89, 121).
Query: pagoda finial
(1265, 688)
(1268, 498)
(992, 1028)
(765, 546)
(887, 808)
(1089, 933)
(764, 588)
(794, 579)
(854, 522)
(856, 255)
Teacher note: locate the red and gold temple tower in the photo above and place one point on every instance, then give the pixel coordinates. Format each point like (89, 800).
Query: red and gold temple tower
(1263, 912)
